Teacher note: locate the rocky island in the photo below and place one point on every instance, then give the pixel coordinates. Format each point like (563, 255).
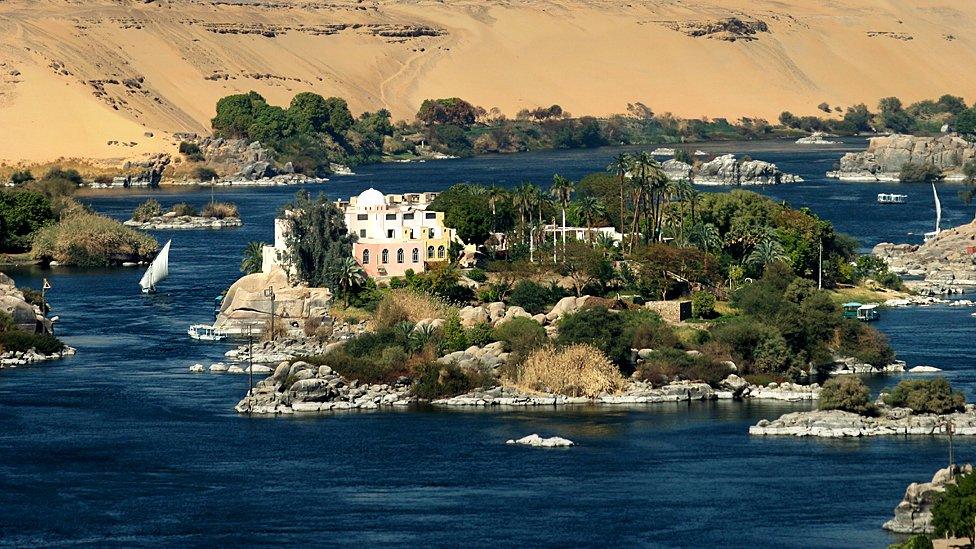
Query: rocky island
(727, 170)
(26, 334)
(885, 156)
(913, 515)
(946, 260)
(215, 215)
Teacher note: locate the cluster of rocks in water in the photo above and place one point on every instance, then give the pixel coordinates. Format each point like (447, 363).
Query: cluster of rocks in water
(303, 387)
(727, 170)
(539, 442)
(170, 220)
(885, 156)
(816, 138)
(946, 260)
(913, 515)
(13, 359)
(889, 421)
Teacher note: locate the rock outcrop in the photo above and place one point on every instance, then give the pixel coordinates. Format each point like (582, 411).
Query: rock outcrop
(726, 170)
(170, 220)
(816, 138)
(246, 304)
(885, 156)
(892, 421)
(947, 259)
(303, 387)
(26, 317)
(914, 514)
(539, 442)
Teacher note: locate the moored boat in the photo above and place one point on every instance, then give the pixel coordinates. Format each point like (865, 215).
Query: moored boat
(204, 332)
(892, 198)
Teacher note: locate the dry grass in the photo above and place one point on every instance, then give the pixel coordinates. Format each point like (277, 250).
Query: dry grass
(577, 370)
(220, 210)
(91, 240)
(407, 305)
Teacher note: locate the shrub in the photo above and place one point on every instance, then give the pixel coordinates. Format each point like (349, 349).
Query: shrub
(454, 337)
(920, 173)
(846, 393)
(597, 327)
(703, 304)
(204, 173)
(20, 341)
(447, 380)
(21, 213)
(865, 343)
(918, 541)
(934, 396)
(644, 329)
(521, 336)
(91, 240)
(147, 210)
(478, 275)
(576, 370)
(183, 209)
(531, 296)
(220, 210)
(480, 334)
(404, 304)
(668, 365)
(191, 151)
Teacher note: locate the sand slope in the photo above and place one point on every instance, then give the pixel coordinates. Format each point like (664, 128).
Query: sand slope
(78, 75)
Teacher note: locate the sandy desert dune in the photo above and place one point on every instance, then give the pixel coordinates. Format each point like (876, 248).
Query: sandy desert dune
(95, 78)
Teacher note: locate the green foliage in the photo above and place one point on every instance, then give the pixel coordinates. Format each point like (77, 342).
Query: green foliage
(22, 212)
(872, 267)
(479, 335)
(920, 173)
(600, 328)
(933, 396)
(466, 208)
(846, 393)
(966, 121)
(147, 210)
(521, 336)
(203, 173)
(644, 329)
(533, 297)
(317, 241)
(454, 338)
(703, 304)
(91, 240)
(453, 110)
(447, 380)
(954, 510)
(20, 341)
(478, 275)
(21, 177)
(918, 541)
(667, 365)
(183, 209)
(253, 258)
(865, 343)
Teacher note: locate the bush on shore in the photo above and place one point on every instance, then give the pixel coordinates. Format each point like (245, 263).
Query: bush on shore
(20, 341)
(576, 370)
(147, 210)
(447, 380)
(847, 393)
(220, 210)
(91, 240)
(932, 396)
(408, 305)
(182, 209)
(667, 365)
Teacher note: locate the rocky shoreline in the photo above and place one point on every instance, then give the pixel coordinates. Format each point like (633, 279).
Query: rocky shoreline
(840, 424)
(946, 260)
(913, 515)
(168, 221)
(727, 170)
(13, 359)
(885, 156)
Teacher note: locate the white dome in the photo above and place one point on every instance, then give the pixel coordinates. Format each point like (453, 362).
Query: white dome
(369, 198)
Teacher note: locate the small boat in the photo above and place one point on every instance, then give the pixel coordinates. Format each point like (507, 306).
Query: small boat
(204, 332)
(892, 198)
(938, 217)
(157, 271)
(864, 313)
(663, 151)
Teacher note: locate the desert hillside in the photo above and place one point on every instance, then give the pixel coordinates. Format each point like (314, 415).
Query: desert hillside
(116, 78)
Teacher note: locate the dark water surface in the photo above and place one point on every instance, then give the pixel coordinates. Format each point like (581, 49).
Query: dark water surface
(121, 446)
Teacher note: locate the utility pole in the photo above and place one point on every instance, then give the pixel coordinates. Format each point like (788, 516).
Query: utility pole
(250, 362)
(269, 293)
(554, 242)
(820, 267)
(531, 246)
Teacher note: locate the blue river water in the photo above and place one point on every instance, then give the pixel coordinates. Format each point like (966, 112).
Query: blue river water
(120, 445)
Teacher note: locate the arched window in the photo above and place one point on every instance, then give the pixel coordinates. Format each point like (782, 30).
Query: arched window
(400, 255)
(365, 257)
(386, 256)
(430, 252)
(440, 252)
(415, 256)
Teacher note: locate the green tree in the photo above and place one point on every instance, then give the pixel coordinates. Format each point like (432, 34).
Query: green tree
(253, 258)
(620, 167)
(22, 212)
(235, 114)
(317, 240)
(453, 111)
(954, 511)
(920, 173)
(589, 208)
(934, 396)
(562, 190)
(597, 327)
(846, 393)
(348, 275)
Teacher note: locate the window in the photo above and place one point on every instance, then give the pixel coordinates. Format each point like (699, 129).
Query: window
(440, 252)
(362, 217)
(415, 257)
(430, 252)
(362, 233)
(408, 217)
(386, 256)
(430, 215)
(389, 233)
(391, 217)
(365, 257)
(400, 255)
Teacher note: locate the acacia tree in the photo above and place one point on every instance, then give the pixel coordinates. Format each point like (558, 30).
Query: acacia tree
(318, 241)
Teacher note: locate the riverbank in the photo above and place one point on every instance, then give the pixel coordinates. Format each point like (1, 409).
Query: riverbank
(183, 222)
(840, 424)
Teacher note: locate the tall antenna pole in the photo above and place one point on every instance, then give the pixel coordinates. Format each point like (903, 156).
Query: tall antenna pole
(820, 267)
(250, 362)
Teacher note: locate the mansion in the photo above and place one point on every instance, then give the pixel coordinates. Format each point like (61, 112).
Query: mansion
(393, 233)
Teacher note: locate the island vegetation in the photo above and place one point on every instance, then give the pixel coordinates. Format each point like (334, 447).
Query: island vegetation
(751, 267)
(151, 209)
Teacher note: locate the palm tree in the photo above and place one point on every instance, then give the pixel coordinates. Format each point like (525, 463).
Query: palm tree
(766, 251)
(705, 237)
(253, 258)
(659, 190)
(522, 200)
(590, 208)
(495, 195)
(562, 190)
(638, 171)
(620, 167)
(348, 275)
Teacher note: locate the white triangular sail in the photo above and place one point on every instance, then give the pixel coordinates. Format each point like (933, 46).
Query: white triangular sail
(158, 269)
(938, 210)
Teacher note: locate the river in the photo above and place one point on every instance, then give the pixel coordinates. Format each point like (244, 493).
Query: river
(120, 445)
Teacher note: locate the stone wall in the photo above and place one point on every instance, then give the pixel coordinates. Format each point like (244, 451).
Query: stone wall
(671, 311)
